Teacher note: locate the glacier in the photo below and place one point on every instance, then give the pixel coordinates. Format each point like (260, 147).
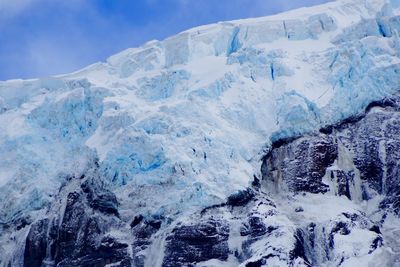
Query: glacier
(176, 126)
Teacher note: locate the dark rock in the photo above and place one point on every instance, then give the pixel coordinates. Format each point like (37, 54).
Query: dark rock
(299, 247)
(369, 141)
(343, 180)
(99, 197)
(284, 141)
(138, 219)
(75, 237)
(299, 209)
(147, 230)
(301, 165)
(256, 227)
(341, 228)
(376, 229)
(240, 198)
(311, 234)
(376, 243)
(256, 182)
(327, 130)
(237, 199)
(190, 244)
(143, 230)
(204, 211)
(22, 222)
(352, 216)
(258, 263)
(155, 224)
(36, 244)
(383, 103)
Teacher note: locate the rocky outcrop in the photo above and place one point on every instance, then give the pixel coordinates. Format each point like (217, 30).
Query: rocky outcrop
(75, 232)
(143, 230)
(300, 165)
(190, 244)
(358, 158)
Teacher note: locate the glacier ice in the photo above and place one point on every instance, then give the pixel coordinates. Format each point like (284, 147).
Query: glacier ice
(221, 90)
(182, 123)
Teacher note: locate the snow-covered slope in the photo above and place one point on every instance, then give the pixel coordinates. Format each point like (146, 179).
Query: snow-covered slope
(179, 125)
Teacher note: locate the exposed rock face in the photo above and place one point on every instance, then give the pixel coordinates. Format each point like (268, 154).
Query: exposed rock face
(196, 243)
(301, 165)
(143, 230)
(75, 235)
(353, 161)
(358, 158)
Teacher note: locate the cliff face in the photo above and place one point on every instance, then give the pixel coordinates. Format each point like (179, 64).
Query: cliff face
(358, 158)
(325, 199)
(261, 142)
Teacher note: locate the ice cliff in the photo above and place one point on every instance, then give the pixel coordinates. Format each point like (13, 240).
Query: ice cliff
(238, 143)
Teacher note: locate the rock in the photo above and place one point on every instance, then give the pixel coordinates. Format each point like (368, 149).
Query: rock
(299, 209)
(299, 250)
(240, 198)
(343, 180)
(255, 227)
(190, 244)
(361, 154)
(138, 219)
(99, 197)
(36, 244)
(143, 230)
(77, 235)
(300, 165)
(258, 263)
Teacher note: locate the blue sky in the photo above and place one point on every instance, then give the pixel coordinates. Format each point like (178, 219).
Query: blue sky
(39, 38)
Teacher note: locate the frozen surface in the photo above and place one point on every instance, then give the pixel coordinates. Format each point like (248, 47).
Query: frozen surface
(180, 124)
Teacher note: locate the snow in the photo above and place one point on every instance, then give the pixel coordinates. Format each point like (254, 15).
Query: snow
(182, 123)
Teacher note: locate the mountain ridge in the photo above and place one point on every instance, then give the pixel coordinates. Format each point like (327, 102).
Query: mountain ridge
(159, 133)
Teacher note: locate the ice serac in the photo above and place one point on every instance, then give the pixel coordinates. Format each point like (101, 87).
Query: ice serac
(274, 139)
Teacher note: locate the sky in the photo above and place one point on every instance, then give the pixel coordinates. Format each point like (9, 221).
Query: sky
(40, 38)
